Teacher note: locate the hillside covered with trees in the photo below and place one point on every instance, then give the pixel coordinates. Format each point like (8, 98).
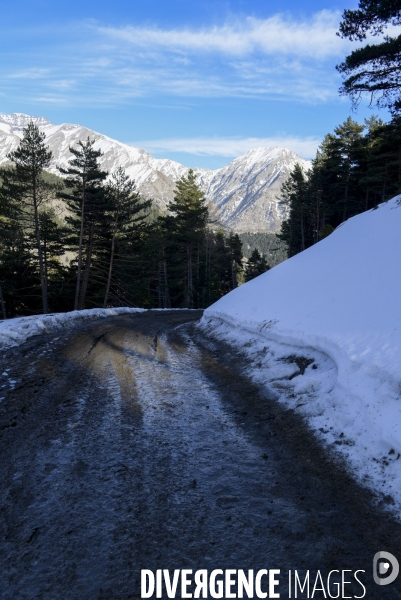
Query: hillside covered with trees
(111, 248)
(356, 168)
(267, 244)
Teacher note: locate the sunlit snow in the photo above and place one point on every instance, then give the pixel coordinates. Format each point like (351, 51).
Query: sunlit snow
(337, 304)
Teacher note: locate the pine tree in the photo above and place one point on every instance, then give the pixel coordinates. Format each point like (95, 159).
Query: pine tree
(343, 153)
(3, 306)
(84, 177)
(257, 265)
(53, 236)
(17, 273)
(26, 182)
(155, 264)
(225, 264)
(332, 191)
(236, 258)
(382, 175)
(374, 69)
(125, 214)
(221, 266)
(9, 228)
(185, 236)
(296, 202)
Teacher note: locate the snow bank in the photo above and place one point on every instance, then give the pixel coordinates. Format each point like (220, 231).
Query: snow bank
(16, 331)
(337, 304)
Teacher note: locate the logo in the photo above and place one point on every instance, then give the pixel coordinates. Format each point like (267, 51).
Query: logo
(386, 564)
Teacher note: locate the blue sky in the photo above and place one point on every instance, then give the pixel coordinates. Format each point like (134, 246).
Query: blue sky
(198, 81)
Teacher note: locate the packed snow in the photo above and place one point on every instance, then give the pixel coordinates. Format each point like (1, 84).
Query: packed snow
(15, 331)
(323, 332)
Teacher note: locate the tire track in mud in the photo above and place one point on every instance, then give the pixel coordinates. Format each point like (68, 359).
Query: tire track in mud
(145, 446)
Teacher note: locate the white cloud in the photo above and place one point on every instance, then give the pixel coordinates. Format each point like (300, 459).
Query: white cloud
(285, 80)
(100, 62)
(230, 146)
(33, 73)
(277, 58)
(50, 99)
(279, 34)
(62, 84)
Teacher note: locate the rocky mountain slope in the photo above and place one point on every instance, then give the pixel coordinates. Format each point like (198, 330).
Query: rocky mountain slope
(245, 192)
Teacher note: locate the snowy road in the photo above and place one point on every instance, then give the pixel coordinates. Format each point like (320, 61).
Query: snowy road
(133, 443)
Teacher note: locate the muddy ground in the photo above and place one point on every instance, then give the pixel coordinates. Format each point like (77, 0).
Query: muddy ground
(134, 443)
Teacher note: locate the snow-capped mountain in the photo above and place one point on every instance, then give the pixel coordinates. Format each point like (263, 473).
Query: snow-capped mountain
(245, 192)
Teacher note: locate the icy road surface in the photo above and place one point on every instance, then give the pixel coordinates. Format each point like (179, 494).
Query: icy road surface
(132, 442)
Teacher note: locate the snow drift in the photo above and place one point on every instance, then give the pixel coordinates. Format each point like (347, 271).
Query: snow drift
(16, 331)
(337, 305)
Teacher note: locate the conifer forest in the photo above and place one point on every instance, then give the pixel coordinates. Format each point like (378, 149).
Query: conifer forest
(356, 168)
(110, 247)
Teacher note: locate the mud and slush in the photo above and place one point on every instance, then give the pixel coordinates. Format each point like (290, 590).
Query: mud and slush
(135, 443)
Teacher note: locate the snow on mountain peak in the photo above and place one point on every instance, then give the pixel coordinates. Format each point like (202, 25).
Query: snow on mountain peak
(245, 191)
(262, 153)
(20, 120)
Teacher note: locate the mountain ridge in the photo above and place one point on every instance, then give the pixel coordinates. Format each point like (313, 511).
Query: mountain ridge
(245, 192)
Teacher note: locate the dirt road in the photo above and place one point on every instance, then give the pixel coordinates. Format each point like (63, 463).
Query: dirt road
(132, 443)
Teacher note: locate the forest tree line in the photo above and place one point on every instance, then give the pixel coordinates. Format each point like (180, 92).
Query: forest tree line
(356, 168)
(111, 248)
(267, 243)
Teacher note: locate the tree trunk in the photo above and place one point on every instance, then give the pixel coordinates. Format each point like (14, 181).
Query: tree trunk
(42, 275)
(160, 287)
(209, 270)
(167, 303)
(345, 209)
(81, 236)
(45, 260)
(3, 308)
(206, 298)
(345, 203)
(188, 299)
(233, 274)
(317, 216)
(291, 240)
(85, 279)
(399, 167)
(198, 270)
(302, 231)
(106, 296)
(323, 213)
